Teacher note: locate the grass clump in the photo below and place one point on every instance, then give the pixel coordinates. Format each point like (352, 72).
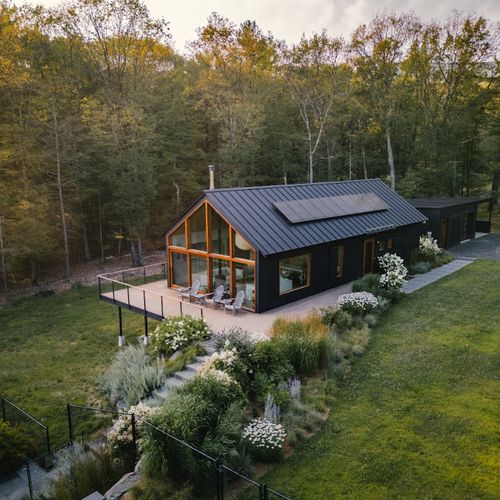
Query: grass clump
(16, 446)
(133, 375)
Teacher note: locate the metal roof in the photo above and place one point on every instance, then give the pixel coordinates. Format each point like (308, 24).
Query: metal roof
(444, 202)
(251, 211)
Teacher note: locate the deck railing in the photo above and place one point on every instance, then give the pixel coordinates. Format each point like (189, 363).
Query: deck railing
(123, 288)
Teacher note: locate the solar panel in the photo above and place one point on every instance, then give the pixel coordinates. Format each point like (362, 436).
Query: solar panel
(311, 209)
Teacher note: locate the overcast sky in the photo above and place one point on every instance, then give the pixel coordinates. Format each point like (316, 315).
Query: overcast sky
(288, 19)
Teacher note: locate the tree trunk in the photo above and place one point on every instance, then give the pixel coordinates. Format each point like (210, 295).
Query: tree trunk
(390, 158)
(177, 198)
(4, 267)
(139, 252)
(350, 160)
(365, 172)
(61, 195)
(34, 272)
(495, 184)
(311, 166)
(133, 254)
(101, 239)
(85, 237)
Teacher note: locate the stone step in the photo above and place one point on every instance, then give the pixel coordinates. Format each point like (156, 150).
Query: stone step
(195, 367)
(202, 359)
(184, 375)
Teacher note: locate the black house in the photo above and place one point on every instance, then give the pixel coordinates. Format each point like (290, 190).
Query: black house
(283, 243)
(452, 220)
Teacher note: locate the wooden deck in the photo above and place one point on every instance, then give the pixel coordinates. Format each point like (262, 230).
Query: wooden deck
(156, 300)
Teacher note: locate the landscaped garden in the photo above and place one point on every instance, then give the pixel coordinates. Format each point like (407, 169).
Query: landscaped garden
(413, 416)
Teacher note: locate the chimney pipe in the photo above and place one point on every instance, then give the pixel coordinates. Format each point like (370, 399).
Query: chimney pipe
(211, 169)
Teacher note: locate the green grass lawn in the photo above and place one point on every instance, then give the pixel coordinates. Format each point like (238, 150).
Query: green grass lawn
(53, 349)
(419, 415)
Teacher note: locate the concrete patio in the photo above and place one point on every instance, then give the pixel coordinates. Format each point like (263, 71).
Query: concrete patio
(153, 297)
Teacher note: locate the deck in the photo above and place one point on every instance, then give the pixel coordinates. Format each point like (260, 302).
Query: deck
(155, 300)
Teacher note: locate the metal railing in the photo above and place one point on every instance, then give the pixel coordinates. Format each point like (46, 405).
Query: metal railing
(123, 288)
(83, 425)
(11, 413)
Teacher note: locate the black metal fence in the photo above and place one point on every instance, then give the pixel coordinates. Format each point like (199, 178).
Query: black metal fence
(29, 425)
(92, 426)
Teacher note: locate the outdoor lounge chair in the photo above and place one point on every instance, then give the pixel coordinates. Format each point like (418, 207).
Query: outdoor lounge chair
(192, 292)
(215, 298)
(237, 303)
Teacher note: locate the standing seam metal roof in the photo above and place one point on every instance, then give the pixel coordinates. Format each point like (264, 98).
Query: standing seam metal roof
(251, 212)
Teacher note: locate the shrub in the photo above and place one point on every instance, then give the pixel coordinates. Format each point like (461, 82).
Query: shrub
(368, 283)
(15, 447)
(299, 349)
(85, 471)
(265, 440)
(420, 267)
(394, 276)
(185, 357)
(133, 375)
(443, 258)
(428, 247)
(177, 332)
(239, 339)
(207, 414)
(270, 362)
(336, 318)
(152, 489)
(358, 303)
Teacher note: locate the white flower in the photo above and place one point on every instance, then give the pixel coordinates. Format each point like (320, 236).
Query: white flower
(428, 246)
(360, 300)
(395, 272)
(262, 433)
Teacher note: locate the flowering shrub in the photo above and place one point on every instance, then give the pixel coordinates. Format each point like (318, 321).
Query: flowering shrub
(218, 375)
(395, 272)
(120, 438)
(357, 302)
(265, 439)
(428, 247)
(224, 361)
(177, 332)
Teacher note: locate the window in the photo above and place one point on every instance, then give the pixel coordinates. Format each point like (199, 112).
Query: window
(197, 230)
(179, 268)
(294, 273)
(241, 248)
(199, 271)
(221, 274)
(389, 244)
(244, 279)
(178, 237)
(381, 245)
(219, 233)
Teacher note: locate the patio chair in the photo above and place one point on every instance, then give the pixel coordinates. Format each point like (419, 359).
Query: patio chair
(237, 303)
(215, 298)
(193, 291)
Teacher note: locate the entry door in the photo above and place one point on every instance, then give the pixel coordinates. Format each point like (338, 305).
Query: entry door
(443, 232)
(369, 256)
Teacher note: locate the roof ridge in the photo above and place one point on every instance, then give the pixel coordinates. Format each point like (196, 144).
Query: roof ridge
(274, 186)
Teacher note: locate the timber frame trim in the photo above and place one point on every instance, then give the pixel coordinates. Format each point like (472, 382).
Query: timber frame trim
(208, 255)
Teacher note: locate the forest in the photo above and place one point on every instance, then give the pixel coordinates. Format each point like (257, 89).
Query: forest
(106, 130)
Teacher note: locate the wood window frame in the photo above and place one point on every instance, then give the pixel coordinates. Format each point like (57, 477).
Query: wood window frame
(340, 260)
(208, 254)
(308, 277)
(372, 257)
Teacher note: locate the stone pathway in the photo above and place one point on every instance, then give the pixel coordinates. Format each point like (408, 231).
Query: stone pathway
(422, 280)
(485, 247)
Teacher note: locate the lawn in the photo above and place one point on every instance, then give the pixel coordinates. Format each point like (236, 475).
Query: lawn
(418, 416)
(53, 349)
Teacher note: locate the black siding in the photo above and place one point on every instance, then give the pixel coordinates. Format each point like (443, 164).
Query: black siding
(322, 278)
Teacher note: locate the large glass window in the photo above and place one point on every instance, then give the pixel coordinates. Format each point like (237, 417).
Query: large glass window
(179, 269)
(197, 232)
(219, 233)
(221, 274)
(294, 273)
(199, 271)
(244, 279)
(178, 237)
(241, 248)
(336, 262)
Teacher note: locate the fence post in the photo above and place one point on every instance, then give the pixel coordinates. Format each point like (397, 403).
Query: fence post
(220, 480)
(99, 285)
(28, 474)
(128, 296)
(165, 270)
(162, 315)
(70, 423)
(113, 288)
(263, 493)
(134, 438)
(144, 273)
(180, 307)
(3, 409)
(144, 299)
(48, 439)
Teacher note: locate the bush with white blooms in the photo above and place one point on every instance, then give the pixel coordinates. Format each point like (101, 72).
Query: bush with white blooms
(265, 439)
(358, 302)
(395, 272)
(177, 332)
(428, 247)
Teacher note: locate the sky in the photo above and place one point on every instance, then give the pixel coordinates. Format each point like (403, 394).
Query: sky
(288, 19)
